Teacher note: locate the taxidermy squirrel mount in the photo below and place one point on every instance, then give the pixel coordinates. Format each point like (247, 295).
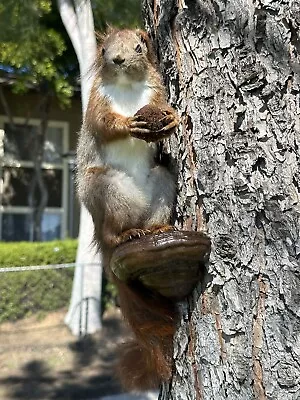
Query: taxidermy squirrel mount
(130, 197)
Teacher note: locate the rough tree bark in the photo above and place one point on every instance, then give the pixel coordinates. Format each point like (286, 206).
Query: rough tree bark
(84, 314)
(232, 69)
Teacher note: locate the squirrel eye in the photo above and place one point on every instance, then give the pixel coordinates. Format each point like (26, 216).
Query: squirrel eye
(103, 51)
(138, 48)
(143, 39)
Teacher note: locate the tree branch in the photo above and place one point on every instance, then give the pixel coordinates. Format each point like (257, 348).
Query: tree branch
(71, 23)
(85, 20)
(6, 107)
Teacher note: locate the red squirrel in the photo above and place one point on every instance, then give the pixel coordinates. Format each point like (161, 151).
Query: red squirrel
(127, 192)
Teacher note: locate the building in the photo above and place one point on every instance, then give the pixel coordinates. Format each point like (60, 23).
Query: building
(60, 217)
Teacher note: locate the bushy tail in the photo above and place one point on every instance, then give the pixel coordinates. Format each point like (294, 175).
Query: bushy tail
(142, 368)
(147, 360)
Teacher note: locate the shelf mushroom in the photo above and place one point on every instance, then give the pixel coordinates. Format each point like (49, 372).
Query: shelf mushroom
(170, 263)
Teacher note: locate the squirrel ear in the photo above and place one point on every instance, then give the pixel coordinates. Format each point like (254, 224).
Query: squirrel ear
(143, 36)
(101, 36)
(147, 41)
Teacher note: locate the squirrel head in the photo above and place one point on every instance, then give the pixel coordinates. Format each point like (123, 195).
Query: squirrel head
(125, 56)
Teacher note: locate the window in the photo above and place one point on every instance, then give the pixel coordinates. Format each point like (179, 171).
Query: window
(17, 199)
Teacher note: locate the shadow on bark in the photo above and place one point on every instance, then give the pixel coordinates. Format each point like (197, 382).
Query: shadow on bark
(262, 35)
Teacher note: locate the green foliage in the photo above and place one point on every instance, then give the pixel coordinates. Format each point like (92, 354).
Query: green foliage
(32, 48)
(19, 19)
(37, 253)
(25, 293)
(35, 45)
(38, 292)
(117, 13)
(109, 296)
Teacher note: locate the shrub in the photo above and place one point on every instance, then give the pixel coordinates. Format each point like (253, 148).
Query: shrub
(28, 292)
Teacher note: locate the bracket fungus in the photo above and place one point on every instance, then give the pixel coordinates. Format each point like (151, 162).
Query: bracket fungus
(170, 263)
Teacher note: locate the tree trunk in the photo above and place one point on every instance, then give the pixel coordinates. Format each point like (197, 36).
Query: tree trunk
(84, 314)
(232, 69)
(38, 180)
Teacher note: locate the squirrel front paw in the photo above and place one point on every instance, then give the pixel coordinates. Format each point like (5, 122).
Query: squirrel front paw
(152, 123)
(138, 128)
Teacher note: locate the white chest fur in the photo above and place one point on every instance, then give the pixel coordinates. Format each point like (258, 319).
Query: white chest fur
(127, 99)
(131, 155)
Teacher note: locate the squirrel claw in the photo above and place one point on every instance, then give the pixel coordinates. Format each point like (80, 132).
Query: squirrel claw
(132, 234)
(136, 233)
(139, 131)
(163, 228)
(170, 125)
(138, 124)
(137, 118)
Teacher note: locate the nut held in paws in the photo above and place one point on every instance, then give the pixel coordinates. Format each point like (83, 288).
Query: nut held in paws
(154, 116)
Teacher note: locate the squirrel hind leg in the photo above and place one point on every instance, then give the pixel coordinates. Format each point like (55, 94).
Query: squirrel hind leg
(133, 233)
(163, 195)
(142, 368)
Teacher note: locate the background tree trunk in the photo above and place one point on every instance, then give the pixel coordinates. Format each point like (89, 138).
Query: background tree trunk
(84, 314)
(232, 69)
(38, 184)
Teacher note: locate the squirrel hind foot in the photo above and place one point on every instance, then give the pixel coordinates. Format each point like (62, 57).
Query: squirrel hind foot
(142, 368)
(136, 233)
(162, 229)
(131, 234)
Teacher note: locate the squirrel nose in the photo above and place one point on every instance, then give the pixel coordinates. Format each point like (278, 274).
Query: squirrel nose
(118, 60)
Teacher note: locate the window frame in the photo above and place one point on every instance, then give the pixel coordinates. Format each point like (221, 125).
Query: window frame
(63, 210)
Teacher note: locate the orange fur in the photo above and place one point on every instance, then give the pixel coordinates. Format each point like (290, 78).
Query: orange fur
(147, 360)
(125, 201)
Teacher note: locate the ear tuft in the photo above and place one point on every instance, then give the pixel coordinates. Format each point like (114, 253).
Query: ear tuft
(101, 36)
(143, 36)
